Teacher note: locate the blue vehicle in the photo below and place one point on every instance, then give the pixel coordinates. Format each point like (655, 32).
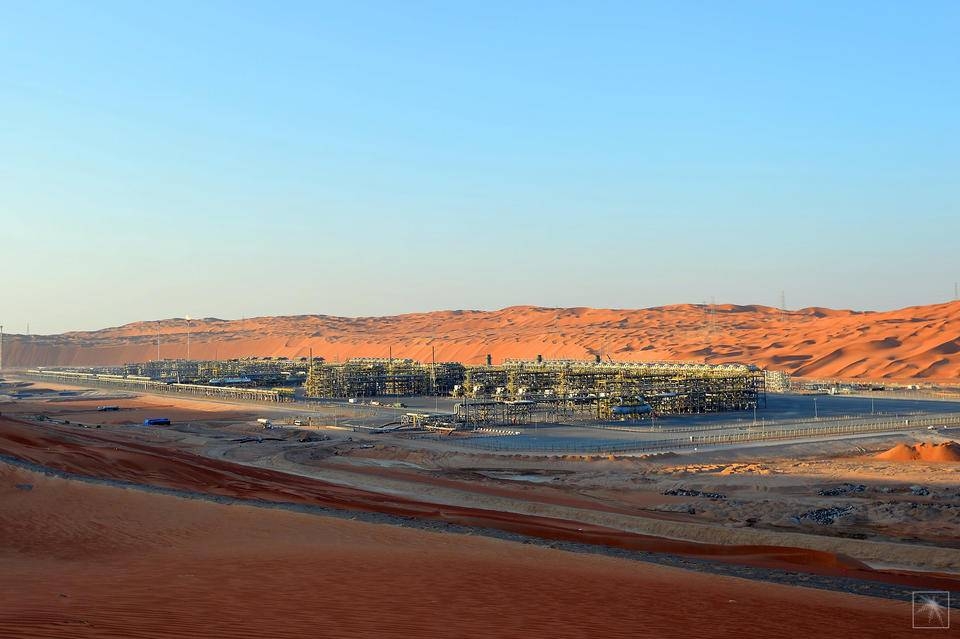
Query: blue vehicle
(156, 421)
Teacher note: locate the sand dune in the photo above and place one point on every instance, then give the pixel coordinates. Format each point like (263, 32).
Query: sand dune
(920, 342)
(81, 560)
(100, 454)
(945, 452)
(103, 455)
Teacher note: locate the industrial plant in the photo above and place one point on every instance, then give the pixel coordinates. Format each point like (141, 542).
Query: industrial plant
(514, 392)
(607, 390)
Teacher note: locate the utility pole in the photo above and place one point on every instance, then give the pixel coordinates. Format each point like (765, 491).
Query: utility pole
(1, 347)
(188, 337)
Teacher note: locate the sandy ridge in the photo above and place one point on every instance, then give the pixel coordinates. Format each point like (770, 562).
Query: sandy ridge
(921, 342)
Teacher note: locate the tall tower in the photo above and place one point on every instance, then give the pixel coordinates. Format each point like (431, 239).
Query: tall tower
(1, 347)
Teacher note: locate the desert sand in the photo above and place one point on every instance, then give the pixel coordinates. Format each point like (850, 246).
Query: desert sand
(924, 451)
(105, 455)
(912, 343)
(82, 560)
(100, 546)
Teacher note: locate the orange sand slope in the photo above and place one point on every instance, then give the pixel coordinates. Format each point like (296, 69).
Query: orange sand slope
(917, 342)
(98, 454)
(81, 560)
(945, 452)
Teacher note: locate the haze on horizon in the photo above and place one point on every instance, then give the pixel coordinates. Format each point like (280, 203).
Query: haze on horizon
(245, 160)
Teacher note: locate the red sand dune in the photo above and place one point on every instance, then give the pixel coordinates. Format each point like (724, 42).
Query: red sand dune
(81, 560)
(945, 452)
(104, 455)
(918, 342)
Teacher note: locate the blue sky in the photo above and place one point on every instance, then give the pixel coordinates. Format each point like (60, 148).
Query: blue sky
(249, 158)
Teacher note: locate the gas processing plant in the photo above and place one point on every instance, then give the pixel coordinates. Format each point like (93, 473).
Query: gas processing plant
(514, 392)
(604, 390)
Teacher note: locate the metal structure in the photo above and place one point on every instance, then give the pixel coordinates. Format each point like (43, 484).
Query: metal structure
(611, 390)
(777, 381)
(514, 393)
(567, 388)
(374, 377)
(145, 384)
(254, 371)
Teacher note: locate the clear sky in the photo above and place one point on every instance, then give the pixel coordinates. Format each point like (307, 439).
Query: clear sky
(232, 159)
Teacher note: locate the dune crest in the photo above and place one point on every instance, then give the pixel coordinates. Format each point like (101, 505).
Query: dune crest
(912, 343)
